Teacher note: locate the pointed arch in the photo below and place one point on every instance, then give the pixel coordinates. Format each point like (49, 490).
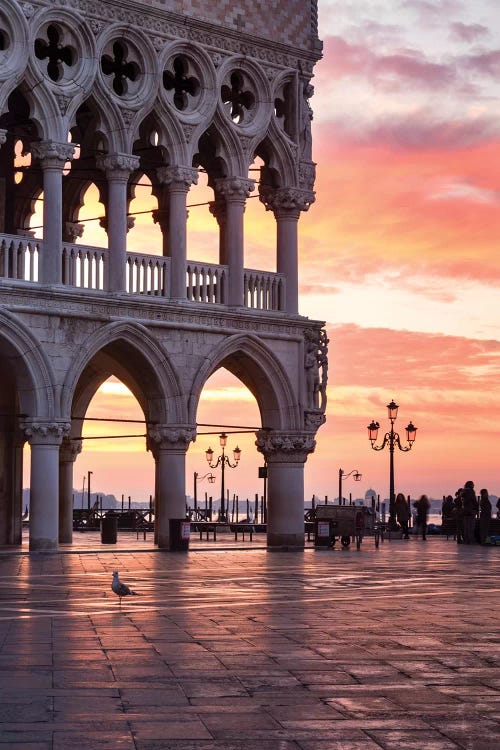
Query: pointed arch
(135, 356)
(22, 353)
(252, 362)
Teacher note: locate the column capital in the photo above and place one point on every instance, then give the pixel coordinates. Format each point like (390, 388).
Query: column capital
(52, 154)
(3, 137)
(74, 230)
(234, 188)
(170, 437)
(286, 201)
(69, 450)
(284, 446)
(45, 432)
(177, 176)
(117, 166)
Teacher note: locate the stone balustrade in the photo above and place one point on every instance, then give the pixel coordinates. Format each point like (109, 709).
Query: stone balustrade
(86, 267)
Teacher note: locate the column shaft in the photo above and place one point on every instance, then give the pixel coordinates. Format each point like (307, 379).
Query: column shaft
(285, 506)
(66, 502)
(234, 250)
(44, 496)
(177, 240)
(288, 257)
(117, 232)
(172, 489)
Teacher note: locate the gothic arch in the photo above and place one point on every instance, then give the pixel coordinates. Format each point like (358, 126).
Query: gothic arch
(129, 351)
(23, 354)
(246, 357)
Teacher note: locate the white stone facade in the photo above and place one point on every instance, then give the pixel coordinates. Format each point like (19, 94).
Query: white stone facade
(103, 93)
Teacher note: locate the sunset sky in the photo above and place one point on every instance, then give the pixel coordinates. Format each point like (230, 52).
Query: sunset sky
(399, 255)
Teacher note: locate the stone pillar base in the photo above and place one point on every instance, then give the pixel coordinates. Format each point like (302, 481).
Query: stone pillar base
(285, 541)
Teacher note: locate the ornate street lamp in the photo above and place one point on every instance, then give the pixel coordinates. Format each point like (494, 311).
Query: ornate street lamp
(342, 475)
(223, 461)
(391, 439)
(209, 476)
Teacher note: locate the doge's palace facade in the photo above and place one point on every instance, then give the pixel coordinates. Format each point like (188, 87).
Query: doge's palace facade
(107, 92)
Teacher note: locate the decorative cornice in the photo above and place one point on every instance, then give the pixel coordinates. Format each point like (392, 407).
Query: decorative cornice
(51, 153)
(285, 447)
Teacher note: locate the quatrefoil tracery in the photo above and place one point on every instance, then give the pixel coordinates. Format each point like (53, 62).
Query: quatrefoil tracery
(237, 101)
(180, 83)
(118, 67)
(55, 52)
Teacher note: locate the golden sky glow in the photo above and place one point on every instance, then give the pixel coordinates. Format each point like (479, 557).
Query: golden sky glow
(399, 256)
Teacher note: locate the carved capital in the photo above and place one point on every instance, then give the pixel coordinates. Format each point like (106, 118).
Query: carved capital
(45, 432)
(69, 450)
(314, 419)
(177, 175)
(170, 437)
(74, 230)
(118, 166)
(161, 217)
(52, 154)
(234, 188)
(285, 447)
(218, 209)
(286, 201)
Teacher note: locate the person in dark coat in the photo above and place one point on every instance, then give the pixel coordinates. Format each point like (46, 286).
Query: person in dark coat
(470, 511)
(447, 508)
(402, 514)
(458, 515)
(422, 506)
(484, 516)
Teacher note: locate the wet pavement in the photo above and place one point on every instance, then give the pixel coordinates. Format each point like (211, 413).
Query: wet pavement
(231, 647)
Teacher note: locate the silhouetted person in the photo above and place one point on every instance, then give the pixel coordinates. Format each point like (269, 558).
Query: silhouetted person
(484, 516)
(402, 514)
(447, 508)
(470, 511)
(458, 514)
(422, 506)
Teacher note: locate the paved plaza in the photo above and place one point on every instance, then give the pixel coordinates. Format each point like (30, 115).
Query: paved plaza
(232, 647)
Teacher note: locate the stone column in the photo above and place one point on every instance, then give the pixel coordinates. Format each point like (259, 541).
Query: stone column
(285, 454)
(179, 180)
(52, 157)
(68, 453)
(286, 204)
(118, 168)
(44, 438)
(169, 445)
(235, 191)
(218, 209)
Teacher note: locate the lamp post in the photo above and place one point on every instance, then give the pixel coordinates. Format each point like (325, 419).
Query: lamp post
(342, 475)
(391, 439)
(223, 461)
(88, 489)
(197, 478)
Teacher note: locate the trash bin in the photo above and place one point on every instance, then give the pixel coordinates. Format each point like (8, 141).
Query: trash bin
(109, 526)
(180, 531)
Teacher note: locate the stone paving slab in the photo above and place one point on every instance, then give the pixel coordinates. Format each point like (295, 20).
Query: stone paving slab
(231, 647)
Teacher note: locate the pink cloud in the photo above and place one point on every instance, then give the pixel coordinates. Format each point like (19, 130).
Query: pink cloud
(468, 32)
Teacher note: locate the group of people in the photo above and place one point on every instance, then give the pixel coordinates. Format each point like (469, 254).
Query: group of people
(465, 510)
(403, 514)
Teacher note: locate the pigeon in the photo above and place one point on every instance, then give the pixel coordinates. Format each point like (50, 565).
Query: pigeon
(121, 589)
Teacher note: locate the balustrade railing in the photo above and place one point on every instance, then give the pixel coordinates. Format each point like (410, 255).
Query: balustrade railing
(87, 267)
(19, 257)
(264, 290)
(84, 267)
(148, 274)
(206, 282)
